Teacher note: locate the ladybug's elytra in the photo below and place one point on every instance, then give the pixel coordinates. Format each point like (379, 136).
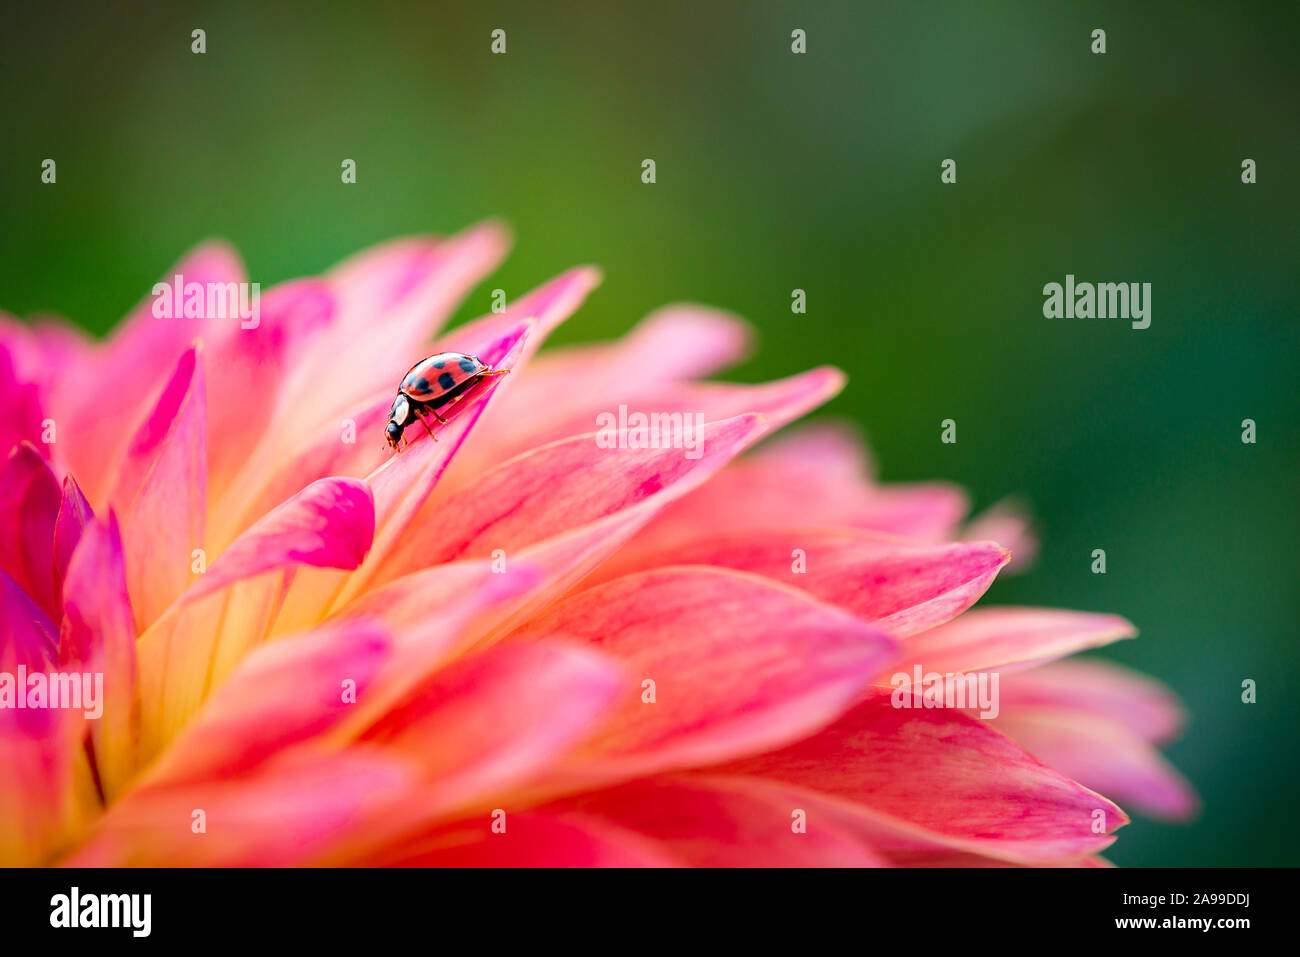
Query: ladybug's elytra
(432, 383)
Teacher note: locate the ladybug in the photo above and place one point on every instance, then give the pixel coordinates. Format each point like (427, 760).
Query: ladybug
(439, 380)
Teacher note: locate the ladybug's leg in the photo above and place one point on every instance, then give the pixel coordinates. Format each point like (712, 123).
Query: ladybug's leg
(425, 423)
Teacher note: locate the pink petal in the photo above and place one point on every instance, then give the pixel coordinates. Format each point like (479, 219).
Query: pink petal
(21, 402)
(494, 339)
(830, 449)
(161, 492)
(231, 609)
(29, 510)
(137, 360)
(904, 586)
(756, 494)
(40, 751)
(739, 663)
(670, 345)
(1101, 688)
(1103, 754)
(462, 592)
(283, 694)
(330, 524)
(401, 487)
(531, 839)
(781, 401)
(98, 634)
(403, 484)
(369, 351)
(27, 635)
(555, 490)
(949, 776)
(547, 306)
(727, 822)
(378, 280)
(494, 720)
(247, 369)
(1009, 639)
(1008, 523)
(74, 515)
(295, 813)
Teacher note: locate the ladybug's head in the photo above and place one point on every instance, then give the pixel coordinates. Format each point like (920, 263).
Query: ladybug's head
(393, 432)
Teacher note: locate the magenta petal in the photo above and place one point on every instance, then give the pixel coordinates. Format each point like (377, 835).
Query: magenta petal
(161, 493)
(21, 403)
(329, 524)
(27, 635)
(98, 634)
(29, 510)
(74, 515)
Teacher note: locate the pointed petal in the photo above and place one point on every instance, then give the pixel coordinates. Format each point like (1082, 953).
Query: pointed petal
(1009, 639)
(682, 404)
(949, 775)
(29, 510)
(161, 492)
(1009, 524)
(904, 586)
(739, 665)
(74, 515)
(1102, 688)
(248, 367)
(137, 360)
(27, 635)
(1104, 755)
(329, 524)
(557, 489)
(361, 356)
(831, 449)
(98, 635)
(754, 494)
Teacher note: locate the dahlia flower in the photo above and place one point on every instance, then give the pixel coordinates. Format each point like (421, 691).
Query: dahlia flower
(515, 645)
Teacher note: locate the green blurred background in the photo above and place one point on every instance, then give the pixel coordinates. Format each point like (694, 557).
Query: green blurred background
(778, 171)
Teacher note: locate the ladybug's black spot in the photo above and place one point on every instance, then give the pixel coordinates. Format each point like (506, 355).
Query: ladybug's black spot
(439, 363)
(467, 365)
(446, 381)
(421, 385)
